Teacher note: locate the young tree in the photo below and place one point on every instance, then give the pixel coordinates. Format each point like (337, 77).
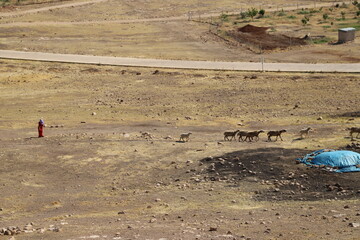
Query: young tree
(243, 15)
(252, 12)
(325, 16)
(343, 15)
(262, 12)
(224, 17)
(304, 21)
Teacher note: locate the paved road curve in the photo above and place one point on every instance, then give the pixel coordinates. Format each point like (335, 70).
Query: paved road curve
(158, 63)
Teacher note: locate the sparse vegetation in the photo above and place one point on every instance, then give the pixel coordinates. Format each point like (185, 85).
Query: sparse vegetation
(304, 21)
(252, 12)
(314, 11)
(224, 17)
(4, 2)
(262, 12)
(353, 25)
(243, 15)
(281, 13)
(225, 22)
(343, 15)
(303, 12)
(321, 40)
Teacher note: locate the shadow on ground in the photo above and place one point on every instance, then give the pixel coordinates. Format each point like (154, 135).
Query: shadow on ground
(279, 176)
(350, 114)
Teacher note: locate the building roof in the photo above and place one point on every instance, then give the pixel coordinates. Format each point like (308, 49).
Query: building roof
(347, 29)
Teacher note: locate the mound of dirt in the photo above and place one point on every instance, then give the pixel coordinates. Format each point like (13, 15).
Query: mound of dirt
(257, 38)
(253, 29)
(282, 179)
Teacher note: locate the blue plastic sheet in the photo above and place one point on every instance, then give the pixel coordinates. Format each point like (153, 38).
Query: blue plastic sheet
(337, 161)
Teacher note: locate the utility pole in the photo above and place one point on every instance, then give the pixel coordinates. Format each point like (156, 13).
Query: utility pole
(189, 16)
(199, 10)
(261, 59)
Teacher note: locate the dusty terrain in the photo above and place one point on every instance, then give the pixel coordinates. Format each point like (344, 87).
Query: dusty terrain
(95, 177)
(105, 28)
(285, 29)
(254, 37)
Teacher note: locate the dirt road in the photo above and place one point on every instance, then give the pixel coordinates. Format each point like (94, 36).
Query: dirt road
(42, 9)
(177, 64)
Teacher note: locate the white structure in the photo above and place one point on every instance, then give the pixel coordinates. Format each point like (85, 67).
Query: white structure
(346, 34)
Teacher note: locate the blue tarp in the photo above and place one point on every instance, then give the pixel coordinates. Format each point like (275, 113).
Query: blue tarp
(337, 161)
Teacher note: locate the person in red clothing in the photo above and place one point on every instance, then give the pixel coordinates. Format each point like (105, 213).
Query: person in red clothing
(41, 128)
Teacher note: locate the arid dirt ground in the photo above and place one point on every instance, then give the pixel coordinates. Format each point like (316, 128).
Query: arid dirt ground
(95, 177)
(93, 29)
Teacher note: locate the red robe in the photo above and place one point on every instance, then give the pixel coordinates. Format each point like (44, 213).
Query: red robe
(40, 129)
